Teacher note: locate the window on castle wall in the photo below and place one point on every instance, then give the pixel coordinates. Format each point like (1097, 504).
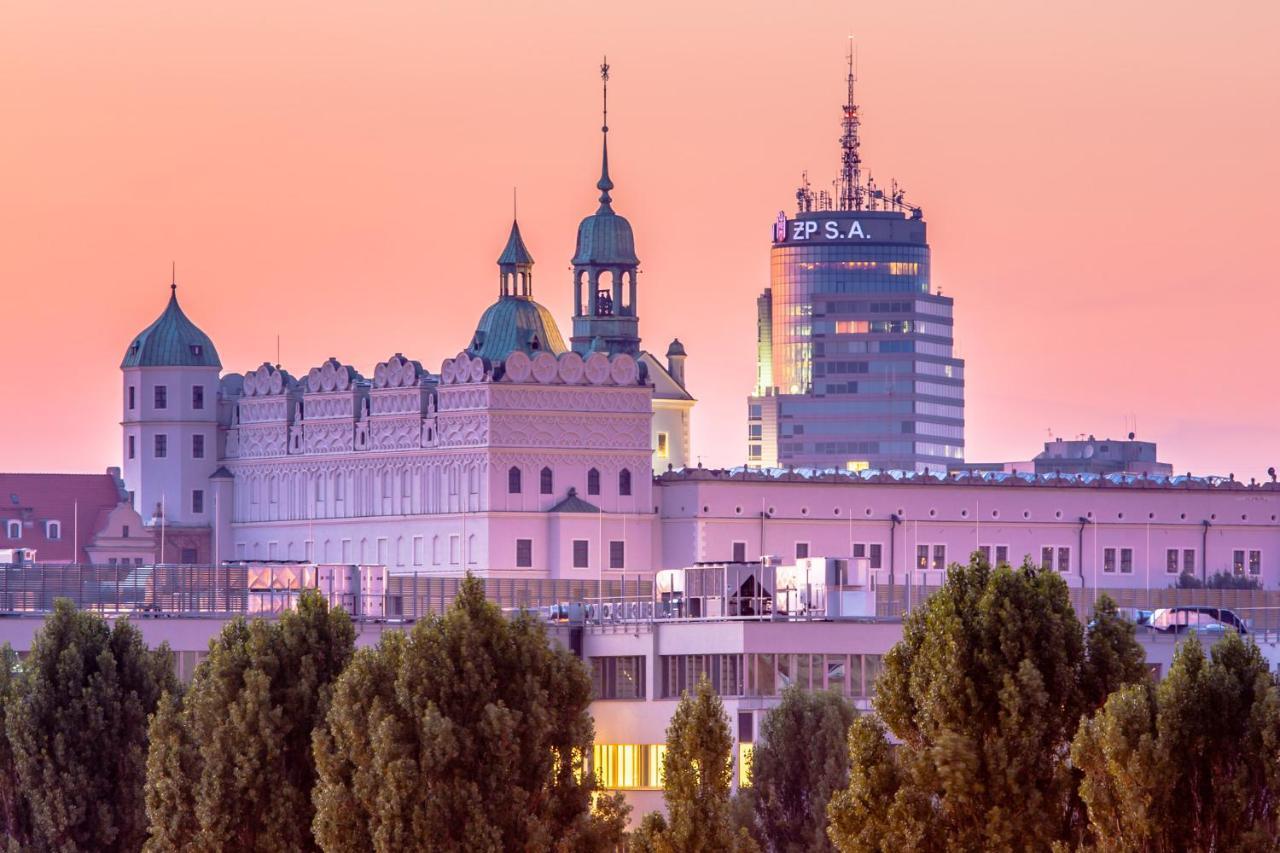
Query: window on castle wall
(14, 529)
(513, 480)
(197, 397)
(546, 483)
(132, 448)
(132, 398)
(524, 553)
(197, 447)
(161, 397)
(593, 482)
(624, 482)
(161, 446)
(581, 554)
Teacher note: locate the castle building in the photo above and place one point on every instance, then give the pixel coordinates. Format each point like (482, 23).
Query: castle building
(522, 456)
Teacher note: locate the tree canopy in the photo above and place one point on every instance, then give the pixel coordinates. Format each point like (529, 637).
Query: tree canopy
(232, 767)
(1190, 764)
(984, 691)
(471, 733)
(76, 725)
(697, 771)
(799, 761)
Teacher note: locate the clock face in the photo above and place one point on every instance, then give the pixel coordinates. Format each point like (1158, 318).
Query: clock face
(780, 228)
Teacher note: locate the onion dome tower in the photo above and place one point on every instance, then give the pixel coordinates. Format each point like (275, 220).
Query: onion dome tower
(170, 424)
(605, 267)
(515, 321)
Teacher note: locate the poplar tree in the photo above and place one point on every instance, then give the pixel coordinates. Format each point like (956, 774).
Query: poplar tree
(1190, 764)
(984, 693)
(470, 733)
(15, 821)
(232, 769)
(800, 760)
(76, 723)
(697, 773)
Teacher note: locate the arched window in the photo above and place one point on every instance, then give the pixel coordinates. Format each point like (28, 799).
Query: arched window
(593, 482)
(624, 482)
(513, 480)
(545, 482)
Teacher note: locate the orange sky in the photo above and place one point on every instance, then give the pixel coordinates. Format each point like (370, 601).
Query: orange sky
(1100, 181)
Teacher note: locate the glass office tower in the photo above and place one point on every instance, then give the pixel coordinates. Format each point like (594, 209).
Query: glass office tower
(856, 364)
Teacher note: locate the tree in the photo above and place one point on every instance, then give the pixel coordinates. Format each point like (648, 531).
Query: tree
(697, 775)
(1113, 657)
(1190, 764)
(984, 691)
(801, 760)
(469, 733)
(15, 820)
(233, 767)
(77, 726)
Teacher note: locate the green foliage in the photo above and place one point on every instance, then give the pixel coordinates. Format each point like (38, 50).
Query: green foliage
(1218, 580)
(985, 691)
(76, 721)
(233, 768)
(470, 733)
(1190, 764)
(15, 820)
(800, 761)
(697, 776)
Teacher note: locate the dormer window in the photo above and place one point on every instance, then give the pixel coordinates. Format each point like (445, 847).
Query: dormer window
(53, 530)
(14, 529)
(197, 349)
(134, 347)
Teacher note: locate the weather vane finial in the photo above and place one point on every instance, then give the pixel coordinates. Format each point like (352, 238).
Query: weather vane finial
(605, 184)
(173, 276)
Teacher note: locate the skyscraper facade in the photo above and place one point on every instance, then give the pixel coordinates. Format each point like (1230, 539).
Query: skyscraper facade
(855, 346)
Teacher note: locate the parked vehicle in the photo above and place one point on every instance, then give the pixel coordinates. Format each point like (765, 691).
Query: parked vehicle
(1201, 619)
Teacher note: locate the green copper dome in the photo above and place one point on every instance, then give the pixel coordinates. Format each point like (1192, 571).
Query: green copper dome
(171, 341)
(515, 323)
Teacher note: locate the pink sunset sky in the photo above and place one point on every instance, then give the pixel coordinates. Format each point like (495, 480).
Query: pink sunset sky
(1100, 181)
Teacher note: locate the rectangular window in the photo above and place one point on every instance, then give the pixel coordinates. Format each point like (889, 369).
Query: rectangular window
(618, 677)
(132, 398)
(197, 397)
(581, 554)
(132, 448)
(52, 530)
(680, 673)
(835, 674)
(663, 449)
(1237, 562)
(197, 447)
(922, 556)
(802, 550)
(939, 557)
(524, 553)
(1171, 561)
(1126, 561)
(417, 550)
(161, 397)
(1189, 560)
(1108, 559)
(1046, 558)
(1064, 559)
(454, 545)
(1255, 562)
(1002, 555)
(197, 501)
(874, 552)
(985, 551)
(739, 552)
(628, 767)
(162, 446)
(617, 554)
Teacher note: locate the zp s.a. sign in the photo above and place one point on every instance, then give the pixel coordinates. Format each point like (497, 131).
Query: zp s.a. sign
(800, 230)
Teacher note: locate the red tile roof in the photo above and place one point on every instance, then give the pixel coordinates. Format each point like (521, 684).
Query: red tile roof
(34, 499)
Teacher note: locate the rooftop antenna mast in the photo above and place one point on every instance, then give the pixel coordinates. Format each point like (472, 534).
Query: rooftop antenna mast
(851, 189)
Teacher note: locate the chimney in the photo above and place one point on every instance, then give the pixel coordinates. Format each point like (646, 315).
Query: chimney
(675, 361)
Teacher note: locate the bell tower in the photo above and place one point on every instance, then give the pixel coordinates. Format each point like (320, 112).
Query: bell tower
(605, 267)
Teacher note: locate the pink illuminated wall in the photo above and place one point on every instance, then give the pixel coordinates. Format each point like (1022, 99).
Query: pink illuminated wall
(1100, 182)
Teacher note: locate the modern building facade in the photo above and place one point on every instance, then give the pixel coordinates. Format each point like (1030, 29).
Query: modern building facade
(855, 346)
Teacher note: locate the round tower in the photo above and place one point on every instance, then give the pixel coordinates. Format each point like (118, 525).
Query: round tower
(170, 431)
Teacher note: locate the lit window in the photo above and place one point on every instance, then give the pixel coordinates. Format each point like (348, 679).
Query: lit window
(1237, 562)
(939, 557)
(663, 450)
(628, 766)
(1255, 562)
(745, 753)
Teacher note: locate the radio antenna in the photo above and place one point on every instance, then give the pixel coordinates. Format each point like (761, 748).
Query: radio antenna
(851, 190)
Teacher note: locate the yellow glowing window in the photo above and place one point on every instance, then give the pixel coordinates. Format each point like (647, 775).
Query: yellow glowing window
(852, 327)
(745, 753)
(857, 465)
(662, 445)
(903, 268)
(628, 766)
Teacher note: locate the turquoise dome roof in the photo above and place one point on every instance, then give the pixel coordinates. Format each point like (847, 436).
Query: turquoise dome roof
(515, 323)
(605, 239)
(171, 341)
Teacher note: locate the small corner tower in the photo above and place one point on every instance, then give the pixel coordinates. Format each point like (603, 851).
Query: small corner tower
(605, 267)
(170, 427)
(515, 321)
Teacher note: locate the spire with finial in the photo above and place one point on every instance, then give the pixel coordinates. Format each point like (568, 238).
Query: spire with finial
(173, 278)
(604, 185)
(515, 266)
